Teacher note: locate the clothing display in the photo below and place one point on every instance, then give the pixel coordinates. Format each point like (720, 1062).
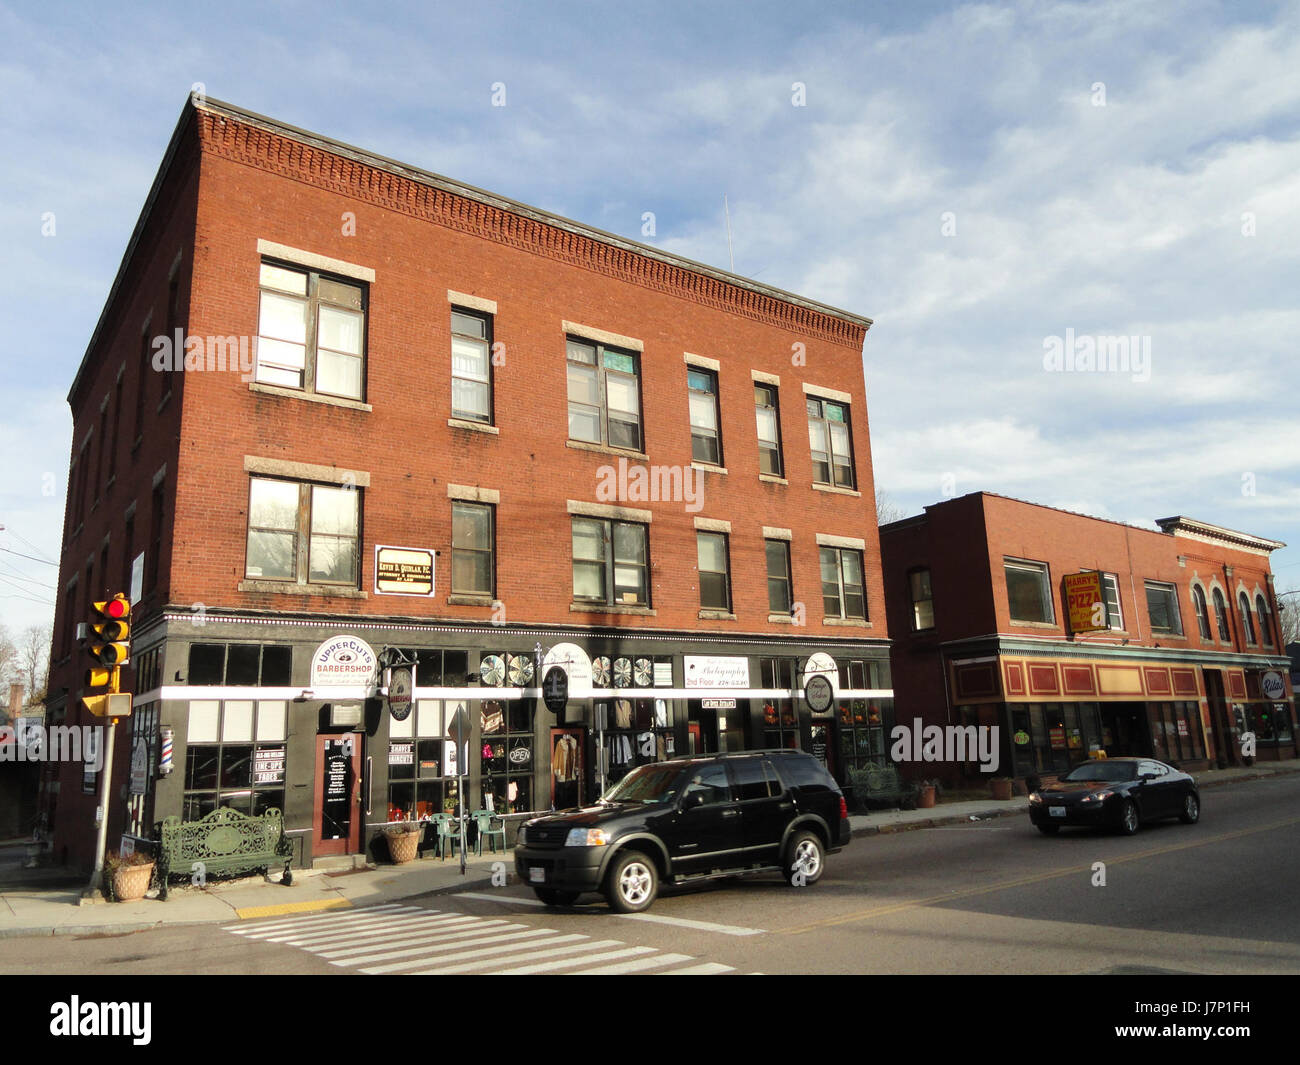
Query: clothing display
(564, 759)
(623, 713)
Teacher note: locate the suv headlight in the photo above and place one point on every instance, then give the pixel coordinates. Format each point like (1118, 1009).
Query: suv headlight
(521, 836)
(1035, 799)
(586, 837)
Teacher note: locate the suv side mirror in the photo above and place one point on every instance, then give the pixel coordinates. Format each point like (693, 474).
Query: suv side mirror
(692, 801)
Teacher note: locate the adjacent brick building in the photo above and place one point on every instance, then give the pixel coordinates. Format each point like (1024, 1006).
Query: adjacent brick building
(337, 407)
(1178, 657)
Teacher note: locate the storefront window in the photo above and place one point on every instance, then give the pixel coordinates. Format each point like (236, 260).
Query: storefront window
(235, 757)
(640, 731)
(422, 765)
(508, 759)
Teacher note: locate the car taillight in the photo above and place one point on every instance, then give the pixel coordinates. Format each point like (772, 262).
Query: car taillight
(844, 809)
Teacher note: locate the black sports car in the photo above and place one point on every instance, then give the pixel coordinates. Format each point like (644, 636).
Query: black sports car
(1116, 792)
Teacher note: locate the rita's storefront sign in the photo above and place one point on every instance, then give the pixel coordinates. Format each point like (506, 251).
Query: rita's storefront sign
(343, 660)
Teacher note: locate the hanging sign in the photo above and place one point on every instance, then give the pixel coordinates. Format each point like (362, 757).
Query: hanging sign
(1272, 685)
(819, 693)
(140, 767)
(1085, 601)
(401, 686)
(555, 689)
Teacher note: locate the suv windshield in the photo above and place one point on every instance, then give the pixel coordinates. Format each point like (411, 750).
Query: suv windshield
(1110, 771)
(649, 783)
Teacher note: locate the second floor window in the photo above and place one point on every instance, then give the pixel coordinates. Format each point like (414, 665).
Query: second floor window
(706, 441)
(1221, 617)
(604, 395)
(1110, 591)
(303, 533)
(611, 562)
(711, 557)
(1162, 606)
(1202, 614)
(1265, 628)
(1247, 622)
(843, 594)
(831, 443)
(311, 332)
(1029, 595)
(471, 549)
(769, 430)
(779, 598)
(471, 366)
(922, 600)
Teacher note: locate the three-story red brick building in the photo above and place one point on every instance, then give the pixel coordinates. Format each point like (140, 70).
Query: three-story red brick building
(337, 407)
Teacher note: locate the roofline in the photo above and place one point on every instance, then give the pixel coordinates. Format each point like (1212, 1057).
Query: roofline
(1195, 526)
(472, 192)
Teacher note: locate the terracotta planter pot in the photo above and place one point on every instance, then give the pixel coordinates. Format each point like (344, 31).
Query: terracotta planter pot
(130, 882)
(925, 799)
(1001, 788)
(402, 847)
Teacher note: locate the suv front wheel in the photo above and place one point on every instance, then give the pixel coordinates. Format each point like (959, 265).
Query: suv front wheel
(804, 860)
(632, 883)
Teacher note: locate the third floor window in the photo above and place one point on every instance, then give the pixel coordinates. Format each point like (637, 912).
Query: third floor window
(769, 430)
(706, 440)
(604, 395)
(471, 366)
(311, 332)
(831, 443)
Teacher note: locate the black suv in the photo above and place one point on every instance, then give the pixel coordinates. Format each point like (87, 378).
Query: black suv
(688, 819)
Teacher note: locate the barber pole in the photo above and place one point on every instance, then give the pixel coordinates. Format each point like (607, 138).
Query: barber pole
(165, 761)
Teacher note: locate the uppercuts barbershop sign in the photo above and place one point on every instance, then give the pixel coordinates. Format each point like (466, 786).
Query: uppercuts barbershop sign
(342, 660)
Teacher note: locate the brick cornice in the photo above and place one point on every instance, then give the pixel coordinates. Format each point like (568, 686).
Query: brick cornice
(225, 136)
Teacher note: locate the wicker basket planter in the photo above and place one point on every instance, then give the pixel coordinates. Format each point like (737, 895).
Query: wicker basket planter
(129, 880)
(403, 841)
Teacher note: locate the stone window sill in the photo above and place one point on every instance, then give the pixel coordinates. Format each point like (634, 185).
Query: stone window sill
(478, 427)
(772, 478)
(847, 623)
(602, 449)
(717, 615)
(607, 608)
(469, 600)
(709, 467)
(780, 619)
(836, 490)
(310, 397)
(289, 588)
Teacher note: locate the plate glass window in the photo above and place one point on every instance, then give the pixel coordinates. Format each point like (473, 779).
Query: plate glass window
(769, 430)
(610, 562)
(1029, 596)
(311, 332)
(830, 442)
(922, 600)
(843, 593)
(1162, 607)
(778, 576)
(706, 443)
(711, 556)
(604, 395)
(471, 549)
(471, 366)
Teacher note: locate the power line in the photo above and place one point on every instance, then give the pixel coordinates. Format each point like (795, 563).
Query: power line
(17, 575)
(32, 557)
(34, 547)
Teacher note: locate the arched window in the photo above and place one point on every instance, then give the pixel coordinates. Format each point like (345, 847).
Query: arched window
(1221, 616)
(1202, 615)
(1265, 624)
(1247, 623)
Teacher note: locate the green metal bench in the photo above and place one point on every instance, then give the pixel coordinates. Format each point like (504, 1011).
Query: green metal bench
(225, 842)
(879, 787)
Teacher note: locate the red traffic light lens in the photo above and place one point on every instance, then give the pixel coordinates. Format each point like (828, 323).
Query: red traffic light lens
(117, 608)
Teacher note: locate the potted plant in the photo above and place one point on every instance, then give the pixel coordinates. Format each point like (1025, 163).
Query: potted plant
(128, 875)
(1001, 788)
(403, 840)
(925, 795)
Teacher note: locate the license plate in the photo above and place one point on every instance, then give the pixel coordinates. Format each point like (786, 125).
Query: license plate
(1056, 811)
(536, 874)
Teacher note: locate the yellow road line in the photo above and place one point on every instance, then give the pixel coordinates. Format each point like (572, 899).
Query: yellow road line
(1035, 878)
(282, 908)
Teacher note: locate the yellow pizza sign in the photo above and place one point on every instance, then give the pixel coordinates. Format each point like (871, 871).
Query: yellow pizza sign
(1085, 602)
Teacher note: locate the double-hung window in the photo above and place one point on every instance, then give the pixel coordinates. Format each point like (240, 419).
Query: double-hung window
(1265, 627)
(604, 395)
(769, 430)
(922, 600)
(706, 439)
(1029, 594)
(779, 597)
(472, 549)
(715, 583)
(831, 442)
(1162, 608)
(471, 366)
(303, 533)
(311, 332)
(1202, 614)
(843, 593)
(1110, 591)
(611, 562)
(1221, 617)
(1247, 622)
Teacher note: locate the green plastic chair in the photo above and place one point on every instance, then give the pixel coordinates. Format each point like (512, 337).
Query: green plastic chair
(484, 819)
(448, 833)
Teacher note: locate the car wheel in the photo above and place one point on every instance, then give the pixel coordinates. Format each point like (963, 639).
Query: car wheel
(632, 883)
(1191, 811)
(1128, 818)
(555, 898)
(804, 861)
(1049, 830)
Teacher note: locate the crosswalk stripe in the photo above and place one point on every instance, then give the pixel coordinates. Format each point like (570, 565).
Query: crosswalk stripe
(566, 963)
(514, 899)
(697, 926)
(709, 968)
(548, 951)
(511, 942)
(354, 917)
(264, 926)
(341, 935)
(636, 966)
(299, 936)
(356, 952)
(406, 931)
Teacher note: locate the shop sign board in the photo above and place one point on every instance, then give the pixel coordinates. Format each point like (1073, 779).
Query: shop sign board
(404, 571)
(710, 671)
(342, 660)
(268, 765)
(1057, 734)
(576, 664)
(1272, 685)
(819, 693)
(401, 684)
(555, 689)
(1085, 602)
(403, 754)
(718, 704)
(140, 767)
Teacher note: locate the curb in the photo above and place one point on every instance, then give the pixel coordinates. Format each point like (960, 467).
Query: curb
(937, 822)
(89, 929)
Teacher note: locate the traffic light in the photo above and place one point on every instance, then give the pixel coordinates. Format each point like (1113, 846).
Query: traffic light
(110, 621)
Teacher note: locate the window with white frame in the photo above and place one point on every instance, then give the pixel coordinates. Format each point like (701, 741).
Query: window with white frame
(843, 592)
(1029, 591)
(471, 365)
(715, 582)
(303, 533)
(831, 442)
(1110, 591)
(767, 414)
(311, 331)
(604, 395)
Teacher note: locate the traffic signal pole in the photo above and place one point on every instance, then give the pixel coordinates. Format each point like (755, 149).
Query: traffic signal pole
(109, 648)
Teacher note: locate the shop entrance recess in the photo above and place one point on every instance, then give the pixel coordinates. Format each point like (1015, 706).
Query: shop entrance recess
(337, 812)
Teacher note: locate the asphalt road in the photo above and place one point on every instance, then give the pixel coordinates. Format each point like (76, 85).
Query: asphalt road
(988, 897)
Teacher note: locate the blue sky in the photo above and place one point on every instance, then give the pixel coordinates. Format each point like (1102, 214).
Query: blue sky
(976, 178)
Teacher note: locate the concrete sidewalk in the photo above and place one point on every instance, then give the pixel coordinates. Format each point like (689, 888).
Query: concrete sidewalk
(30, 909)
